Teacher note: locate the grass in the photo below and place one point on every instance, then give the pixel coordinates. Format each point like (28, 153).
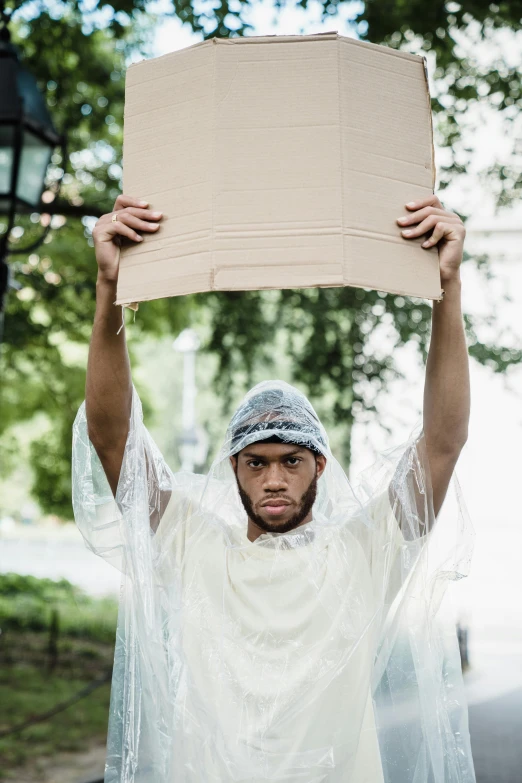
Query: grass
(26, 691)
(44, 662)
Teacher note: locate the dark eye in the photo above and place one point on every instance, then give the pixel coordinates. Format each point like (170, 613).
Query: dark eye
(254, 463)
(293, 461)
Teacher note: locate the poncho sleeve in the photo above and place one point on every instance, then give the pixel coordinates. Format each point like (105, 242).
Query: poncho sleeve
(385, 541)
(400, 528)
(95, 510)
(145, 488)
(417, 687)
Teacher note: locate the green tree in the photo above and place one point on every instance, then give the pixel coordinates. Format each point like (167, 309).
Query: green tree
(79, 60)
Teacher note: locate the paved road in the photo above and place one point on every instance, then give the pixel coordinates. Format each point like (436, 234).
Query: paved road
(494, 693)
(496, 738)
(56, 554)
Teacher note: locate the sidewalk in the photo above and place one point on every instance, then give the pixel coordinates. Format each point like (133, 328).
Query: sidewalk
(494, 692)
(496, 738)
(66, 768)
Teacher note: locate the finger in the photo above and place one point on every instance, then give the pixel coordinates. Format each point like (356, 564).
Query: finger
(144, 214)
(426, 225)
(430, 201)
(416, 217)
(438, 232)
(126, 231)
(445, 229)
(136, 223)
(129, 201)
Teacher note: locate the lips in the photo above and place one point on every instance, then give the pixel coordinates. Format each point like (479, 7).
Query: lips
(275, 506)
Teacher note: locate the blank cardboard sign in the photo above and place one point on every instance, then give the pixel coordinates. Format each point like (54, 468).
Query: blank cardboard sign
(278, 162)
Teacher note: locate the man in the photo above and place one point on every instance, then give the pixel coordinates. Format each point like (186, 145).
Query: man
(277, 623)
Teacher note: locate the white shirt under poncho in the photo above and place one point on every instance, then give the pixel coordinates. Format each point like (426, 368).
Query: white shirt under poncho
(275, 679)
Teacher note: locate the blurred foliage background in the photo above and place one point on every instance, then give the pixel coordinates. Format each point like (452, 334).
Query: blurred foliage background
(79, 52)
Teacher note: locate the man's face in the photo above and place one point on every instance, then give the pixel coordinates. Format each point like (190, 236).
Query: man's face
(277, 483)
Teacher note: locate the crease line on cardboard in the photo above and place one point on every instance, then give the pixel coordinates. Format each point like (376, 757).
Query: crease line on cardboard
(232, 80)
(365, 66)
(283, 225)
(155, 241)
(362, 232)
(158, 109)
(290, 268)
(433, 167)
(404, 161)
(162, 260)
(382, 48)
(144, 129)
(394, 179)
(167, 75)
(180, 187)
(275, 233)
(213, 164)
(340, 125)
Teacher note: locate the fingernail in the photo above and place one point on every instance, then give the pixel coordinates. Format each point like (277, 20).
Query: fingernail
(140, 239)
(406, 231)
(411, 204)
(143, 203)
(157, 214)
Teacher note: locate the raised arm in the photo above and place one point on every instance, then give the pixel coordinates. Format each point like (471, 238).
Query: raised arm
(108, 389)
(447, 388)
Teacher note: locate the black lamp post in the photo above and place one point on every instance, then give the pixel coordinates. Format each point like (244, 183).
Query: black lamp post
(27, 141)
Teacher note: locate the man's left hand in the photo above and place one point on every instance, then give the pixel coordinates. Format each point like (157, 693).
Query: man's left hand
(448, 232)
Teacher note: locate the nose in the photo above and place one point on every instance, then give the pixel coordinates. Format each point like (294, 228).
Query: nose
(274, 479)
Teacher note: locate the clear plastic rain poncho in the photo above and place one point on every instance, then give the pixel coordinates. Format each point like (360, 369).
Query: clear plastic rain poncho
(315, 656)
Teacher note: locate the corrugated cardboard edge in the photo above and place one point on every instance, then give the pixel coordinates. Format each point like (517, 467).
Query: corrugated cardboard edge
(253, 39)
(131, 305)
(395, 292)
(433, 167)
(213, 168)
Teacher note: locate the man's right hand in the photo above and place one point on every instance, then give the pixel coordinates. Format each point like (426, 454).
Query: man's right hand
(132, 217)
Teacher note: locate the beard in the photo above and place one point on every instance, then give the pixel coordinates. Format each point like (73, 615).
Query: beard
(305, 506)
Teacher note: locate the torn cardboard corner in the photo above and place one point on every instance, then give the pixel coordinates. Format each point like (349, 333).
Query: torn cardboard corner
(278, 162)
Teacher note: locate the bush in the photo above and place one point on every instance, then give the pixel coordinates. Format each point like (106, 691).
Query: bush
(27, 603)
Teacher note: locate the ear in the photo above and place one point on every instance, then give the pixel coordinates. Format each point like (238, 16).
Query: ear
(320, 462)
(233, 462)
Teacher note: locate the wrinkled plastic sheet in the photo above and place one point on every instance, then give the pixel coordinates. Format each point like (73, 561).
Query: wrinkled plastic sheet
(320, 655)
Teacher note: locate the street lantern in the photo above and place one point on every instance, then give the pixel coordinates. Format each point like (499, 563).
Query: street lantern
(27, 141)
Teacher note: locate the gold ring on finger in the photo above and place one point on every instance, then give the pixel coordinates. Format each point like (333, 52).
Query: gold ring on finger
(115, 217)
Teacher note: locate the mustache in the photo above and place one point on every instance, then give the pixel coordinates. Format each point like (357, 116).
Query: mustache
(305, 504)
